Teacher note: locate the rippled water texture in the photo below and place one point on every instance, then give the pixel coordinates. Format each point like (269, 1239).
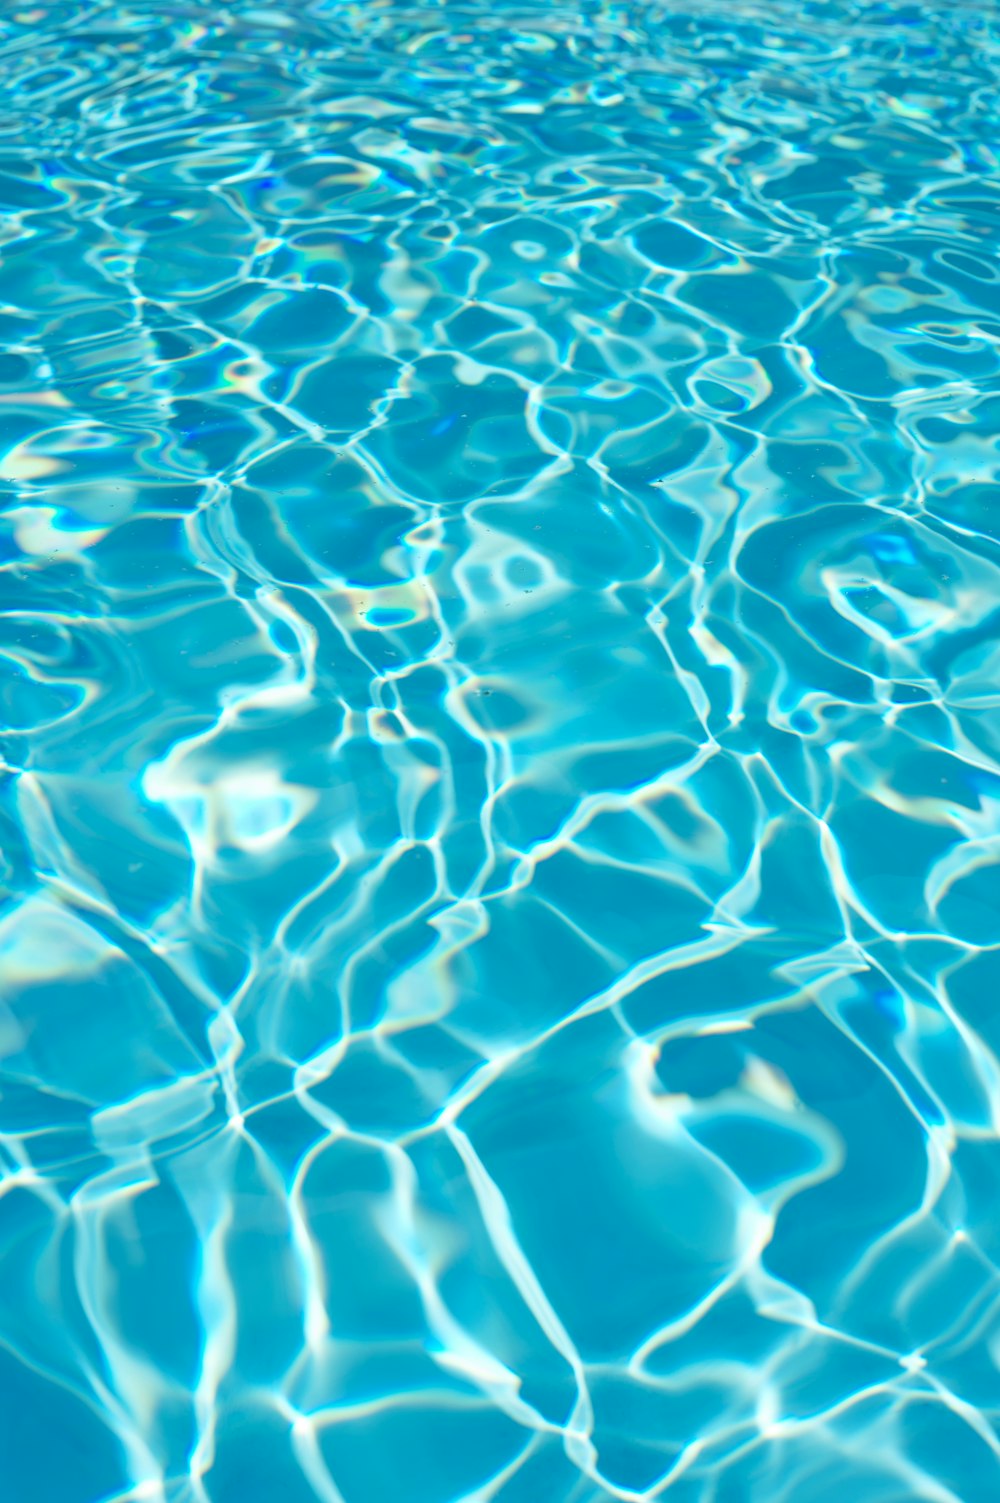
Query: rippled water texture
(501, 727)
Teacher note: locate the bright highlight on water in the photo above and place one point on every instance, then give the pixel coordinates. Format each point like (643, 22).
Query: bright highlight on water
(500, 699)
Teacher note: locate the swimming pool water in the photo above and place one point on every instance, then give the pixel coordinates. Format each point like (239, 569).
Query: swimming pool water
(500, 799)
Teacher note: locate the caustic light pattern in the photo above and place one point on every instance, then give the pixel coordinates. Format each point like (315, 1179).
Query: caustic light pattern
(500, 797)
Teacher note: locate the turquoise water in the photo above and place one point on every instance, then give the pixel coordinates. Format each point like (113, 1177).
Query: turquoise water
(500, 824)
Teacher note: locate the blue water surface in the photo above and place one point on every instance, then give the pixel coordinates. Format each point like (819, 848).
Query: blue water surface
(500, 795)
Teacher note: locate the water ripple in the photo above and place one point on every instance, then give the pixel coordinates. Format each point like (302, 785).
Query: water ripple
(500, 806)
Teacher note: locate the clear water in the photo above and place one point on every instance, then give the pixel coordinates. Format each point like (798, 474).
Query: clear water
(501, 730)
